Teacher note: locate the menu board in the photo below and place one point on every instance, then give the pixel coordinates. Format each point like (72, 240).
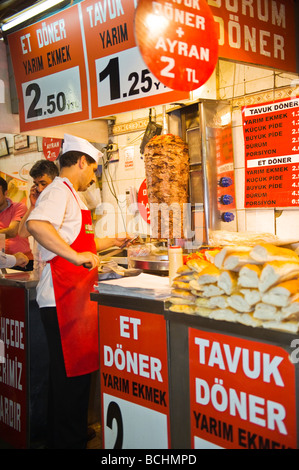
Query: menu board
(13, 373)
(83, 63)
(48, 62)
(134, 379)
(271, 139)
(242, 393)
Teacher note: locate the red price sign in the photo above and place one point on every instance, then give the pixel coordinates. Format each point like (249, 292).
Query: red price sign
(178, 41)
(271, 138)
(119, 79)
(242, 393)
(48, 62)
(143, 204)
(51, 148)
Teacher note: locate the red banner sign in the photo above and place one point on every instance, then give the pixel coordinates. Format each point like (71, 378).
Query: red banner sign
(51, 148)
(13, 373)
(242, 393)
(48, 62)
(82, 63)
(134, 379)
(271, 138)
(178, 41)
(257, 32)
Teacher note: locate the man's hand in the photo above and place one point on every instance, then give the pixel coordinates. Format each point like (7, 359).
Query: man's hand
(33, 195)
(22, 259)
(88, 259)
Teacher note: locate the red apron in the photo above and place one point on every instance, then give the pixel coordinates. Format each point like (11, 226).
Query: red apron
(77, 314)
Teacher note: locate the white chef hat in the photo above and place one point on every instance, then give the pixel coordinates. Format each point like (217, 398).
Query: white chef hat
(72, 143)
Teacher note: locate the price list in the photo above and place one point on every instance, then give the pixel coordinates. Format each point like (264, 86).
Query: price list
(83, 63)
(271, 139)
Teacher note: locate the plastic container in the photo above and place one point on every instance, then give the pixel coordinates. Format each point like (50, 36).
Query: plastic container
(175, 261)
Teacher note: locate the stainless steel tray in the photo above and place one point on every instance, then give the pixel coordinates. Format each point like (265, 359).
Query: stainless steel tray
(150, 263)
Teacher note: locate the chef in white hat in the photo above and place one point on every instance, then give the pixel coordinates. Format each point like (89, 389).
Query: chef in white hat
(62, 226)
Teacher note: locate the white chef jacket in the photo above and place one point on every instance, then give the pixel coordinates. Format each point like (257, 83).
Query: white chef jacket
(57, 205)
(7, 261)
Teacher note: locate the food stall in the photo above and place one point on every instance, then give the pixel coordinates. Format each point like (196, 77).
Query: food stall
(165, 349)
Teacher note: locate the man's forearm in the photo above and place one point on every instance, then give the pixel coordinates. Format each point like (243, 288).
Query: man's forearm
(49, 238)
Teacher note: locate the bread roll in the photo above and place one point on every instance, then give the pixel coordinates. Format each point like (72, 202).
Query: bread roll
(189, 309)
(292, 309)
(225, 314)
(249, 276)
(227, 250)
(236, 261)
(209, 275)
(248, 320)
(180, 300)
(238, 303)
(198, 265)
(288, 326)
(210, 290)
(202, 302)
(218, 301)
(228, 281)
(266, 312)
(181, 285)
(265, 252)
(280, 294)
(184, 294)
(252, 296)
(203, 311)
(275, 272)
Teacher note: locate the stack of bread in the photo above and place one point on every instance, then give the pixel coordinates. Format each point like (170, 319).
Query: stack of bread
(257, 286)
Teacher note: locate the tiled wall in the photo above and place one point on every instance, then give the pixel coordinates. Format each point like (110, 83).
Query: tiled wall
(245, 85)
(241, 84)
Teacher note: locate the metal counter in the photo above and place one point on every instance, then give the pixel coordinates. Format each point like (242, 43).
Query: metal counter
(229, 385)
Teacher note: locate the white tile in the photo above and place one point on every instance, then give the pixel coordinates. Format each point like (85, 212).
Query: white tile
(241, 221)
(238, 147)
(239, 187)
(287, 224)
(262, 220)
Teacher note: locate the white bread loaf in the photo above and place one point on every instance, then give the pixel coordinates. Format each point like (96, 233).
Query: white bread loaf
(248, 320)
(238, 303)
(228, 282)
(209, 275)
(265, 252)
(202, 302)
(181, 285)
(189, 309)
(218, 301)
(197, 264)
(275, 272)
(252, 296)
(184, 269)
(184, 277)
(288, 326)
(227, 250)
(292, 309)
(203, 311)
(280, 294)
(183, 294)
(210, 290)
(180, 300)
(235, 261)
(266, 312)
(225, 314)
(195, 286)
(249, 275)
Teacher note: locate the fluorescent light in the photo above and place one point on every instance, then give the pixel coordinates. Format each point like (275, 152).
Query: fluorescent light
(29, 13)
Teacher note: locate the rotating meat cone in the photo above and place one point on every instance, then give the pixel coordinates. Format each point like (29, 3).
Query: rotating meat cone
(167, 174)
